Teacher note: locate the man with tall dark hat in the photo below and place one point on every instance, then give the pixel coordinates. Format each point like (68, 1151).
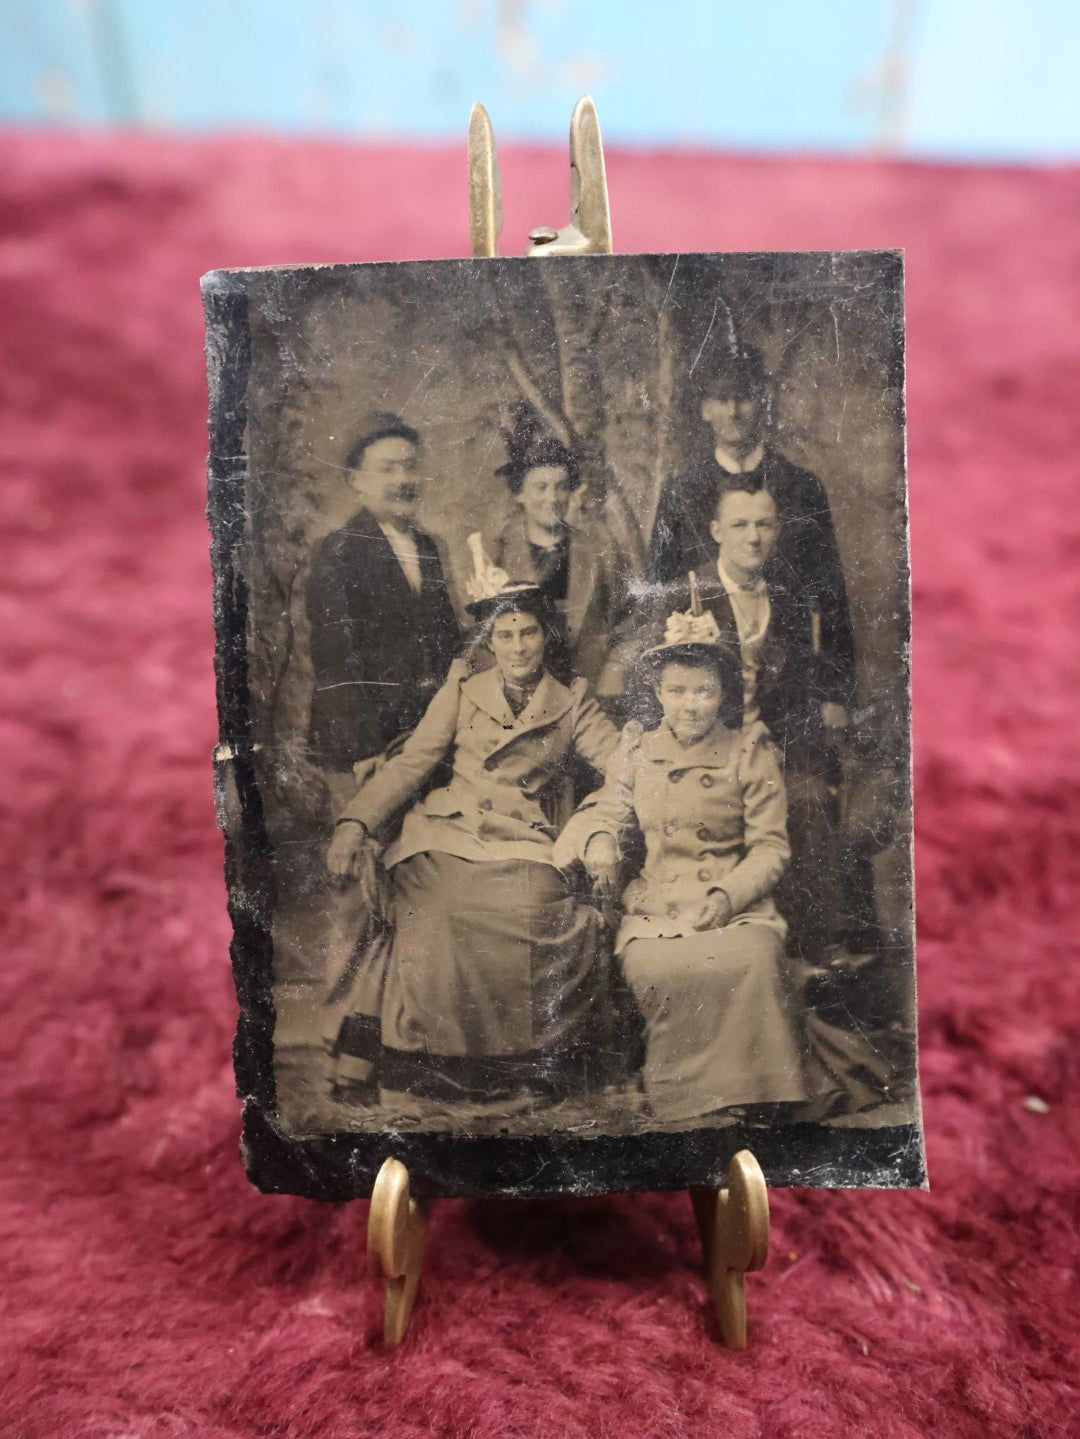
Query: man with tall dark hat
(383, 629)
(733, 399)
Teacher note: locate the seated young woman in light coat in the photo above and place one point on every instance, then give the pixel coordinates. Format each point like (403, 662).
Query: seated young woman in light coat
(700, 941)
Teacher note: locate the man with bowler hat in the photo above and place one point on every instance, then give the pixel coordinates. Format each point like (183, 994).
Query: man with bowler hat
(383, 629)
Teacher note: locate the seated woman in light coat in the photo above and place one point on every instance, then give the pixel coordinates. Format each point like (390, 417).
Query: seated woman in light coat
(701, 942)
(483, 996)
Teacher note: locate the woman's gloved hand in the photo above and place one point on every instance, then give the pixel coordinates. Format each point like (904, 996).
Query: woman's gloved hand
(602, 865)
(353, 857)
(714, 913)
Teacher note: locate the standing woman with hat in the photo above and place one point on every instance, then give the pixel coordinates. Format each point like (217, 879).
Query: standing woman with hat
(485, 998)
(701, 942)
(584, 578)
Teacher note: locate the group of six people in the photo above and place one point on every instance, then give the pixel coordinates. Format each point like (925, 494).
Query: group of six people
(521, 863)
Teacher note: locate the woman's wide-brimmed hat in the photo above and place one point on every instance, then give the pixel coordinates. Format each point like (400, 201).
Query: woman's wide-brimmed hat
(492, 592)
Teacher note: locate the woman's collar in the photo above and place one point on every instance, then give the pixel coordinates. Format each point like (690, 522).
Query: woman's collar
(713, 747)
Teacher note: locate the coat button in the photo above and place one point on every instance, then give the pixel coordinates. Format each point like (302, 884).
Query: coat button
(707, 781)
(704, 874)
(675, 776)
(704, 834)
(673, 910)
(485, 805)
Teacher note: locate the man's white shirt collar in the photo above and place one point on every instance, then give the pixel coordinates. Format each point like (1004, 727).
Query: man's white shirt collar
(756, 587)
(739, 464)
(403, 544)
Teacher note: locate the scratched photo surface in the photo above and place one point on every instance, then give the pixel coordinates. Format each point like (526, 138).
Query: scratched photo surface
(562, 617)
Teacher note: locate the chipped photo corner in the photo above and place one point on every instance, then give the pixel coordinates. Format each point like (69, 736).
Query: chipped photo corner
(563, 636)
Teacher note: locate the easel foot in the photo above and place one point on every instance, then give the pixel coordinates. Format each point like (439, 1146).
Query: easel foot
(733, 1223)
(734, 1228)
(395, 1244)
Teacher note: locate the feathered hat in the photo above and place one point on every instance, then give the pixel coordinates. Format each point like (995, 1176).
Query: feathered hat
(492, 592)
(691, 635)
(528, 447)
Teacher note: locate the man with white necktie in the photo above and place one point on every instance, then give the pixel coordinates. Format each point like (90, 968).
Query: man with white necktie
(734, 392)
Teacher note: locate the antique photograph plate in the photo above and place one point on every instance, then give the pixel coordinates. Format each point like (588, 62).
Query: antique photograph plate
(563, 637)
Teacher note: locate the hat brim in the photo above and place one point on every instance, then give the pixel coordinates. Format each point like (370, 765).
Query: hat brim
(723, 659)
(513, 597)
(689, 652)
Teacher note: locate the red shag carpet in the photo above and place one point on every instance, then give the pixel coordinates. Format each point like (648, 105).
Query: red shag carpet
(147, 1291)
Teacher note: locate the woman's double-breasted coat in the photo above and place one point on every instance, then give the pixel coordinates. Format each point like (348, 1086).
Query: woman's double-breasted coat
(511, 782)
(713, 817)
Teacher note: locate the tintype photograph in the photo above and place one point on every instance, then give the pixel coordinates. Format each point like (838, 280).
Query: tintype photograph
(562, 618)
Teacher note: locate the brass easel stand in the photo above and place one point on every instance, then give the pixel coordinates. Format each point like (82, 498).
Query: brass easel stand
(734, 1228)
(395, 1244)
(733, 1222)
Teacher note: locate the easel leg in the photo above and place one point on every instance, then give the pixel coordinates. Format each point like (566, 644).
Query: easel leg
(734, 1228)
(395, 1244)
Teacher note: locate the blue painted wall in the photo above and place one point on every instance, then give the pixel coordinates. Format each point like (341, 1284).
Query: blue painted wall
(952, 78)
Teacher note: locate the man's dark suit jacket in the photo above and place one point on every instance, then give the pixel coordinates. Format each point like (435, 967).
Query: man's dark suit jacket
(806, 564)
(793, 681)
(379, 650)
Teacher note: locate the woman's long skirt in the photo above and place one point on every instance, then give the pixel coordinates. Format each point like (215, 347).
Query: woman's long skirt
(722, 1026)
(488, 996)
